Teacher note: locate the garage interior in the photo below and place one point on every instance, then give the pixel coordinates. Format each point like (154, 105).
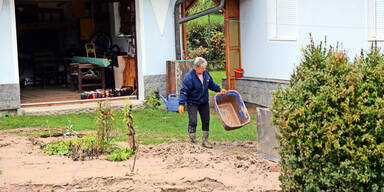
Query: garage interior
(100, 34)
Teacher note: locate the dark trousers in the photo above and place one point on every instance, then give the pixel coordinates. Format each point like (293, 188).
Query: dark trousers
(192, 115)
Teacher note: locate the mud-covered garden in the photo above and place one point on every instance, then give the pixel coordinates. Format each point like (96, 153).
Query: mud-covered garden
(99, 152)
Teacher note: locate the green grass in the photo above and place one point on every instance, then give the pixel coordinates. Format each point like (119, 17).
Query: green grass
(152, 126)
(214, 18)
(217, 76)
(83, 121)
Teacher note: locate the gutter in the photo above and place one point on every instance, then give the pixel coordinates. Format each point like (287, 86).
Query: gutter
(179, 21)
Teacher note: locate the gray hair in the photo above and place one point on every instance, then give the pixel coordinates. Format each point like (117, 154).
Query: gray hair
(200, 62)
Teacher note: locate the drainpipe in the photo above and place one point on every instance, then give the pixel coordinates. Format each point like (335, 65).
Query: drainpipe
(179, 21)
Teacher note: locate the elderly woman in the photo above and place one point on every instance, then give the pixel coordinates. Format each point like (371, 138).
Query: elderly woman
(194, 92)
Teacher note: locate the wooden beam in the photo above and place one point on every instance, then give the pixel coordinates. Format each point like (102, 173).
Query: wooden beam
(184, 31)
(227, 58)
(232, 12)
(235, 48)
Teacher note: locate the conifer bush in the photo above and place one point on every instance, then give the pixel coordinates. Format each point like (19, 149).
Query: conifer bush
(331, 120)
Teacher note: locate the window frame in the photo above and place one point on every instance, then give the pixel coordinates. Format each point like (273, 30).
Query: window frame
(272, 23)
(371, 22)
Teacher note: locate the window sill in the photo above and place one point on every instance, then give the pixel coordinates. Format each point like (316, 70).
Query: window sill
(375, 39)
(282, 39)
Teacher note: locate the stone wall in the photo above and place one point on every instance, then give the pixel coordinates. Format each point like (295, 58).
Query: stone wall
(9, 96)
(257, 90)
(155, 81)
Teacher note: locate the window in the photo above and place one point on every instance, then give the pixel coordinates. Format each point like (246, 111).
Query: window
(282, 20)
(375, 23)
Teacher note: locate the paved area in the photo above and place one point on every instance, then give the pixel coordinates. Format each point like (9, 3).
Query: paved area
(76, 108)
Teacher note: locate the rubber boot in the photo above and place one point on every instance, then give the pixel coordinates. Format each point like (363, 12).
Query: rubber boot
(205, 142)
(192, 136)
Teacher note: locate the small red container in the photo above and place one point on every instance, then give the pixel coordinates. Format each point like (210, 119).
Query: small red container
(239, 72)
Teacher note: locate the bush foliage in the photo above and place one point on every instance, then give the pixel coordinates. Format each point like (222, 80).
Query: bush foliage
(121, 154)
(331, 122)
(198, 39)
(201, 5)
(152, 100)
(68, 147)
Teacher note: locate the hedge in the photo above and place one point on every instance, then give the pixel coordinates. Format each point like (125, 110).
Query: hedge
(331, 120)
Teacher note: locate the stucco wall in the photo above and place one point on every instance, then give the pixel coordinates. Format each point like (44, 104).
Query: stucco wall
(9, 75)
(8, 45)
(158, 48)
(341, 21)
(153, 48)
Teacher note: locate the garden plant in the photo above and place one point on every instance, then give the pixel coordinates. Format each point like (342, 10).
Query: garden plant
(331, 120)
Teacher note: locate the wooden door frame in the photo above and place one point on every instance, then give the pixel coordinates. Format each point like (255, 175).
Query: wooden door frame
(231, 13)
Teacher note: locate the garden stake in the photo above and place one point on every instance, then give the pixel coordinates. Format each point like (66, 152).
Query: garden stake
(134, 160)
(128, 119)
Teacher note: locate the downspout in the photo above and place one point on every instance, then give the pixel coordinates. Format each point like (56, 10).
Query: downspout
(179, 21)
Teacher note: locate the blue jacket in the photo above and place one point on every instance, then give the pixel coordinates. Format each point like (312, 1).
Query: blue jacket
(193, 91)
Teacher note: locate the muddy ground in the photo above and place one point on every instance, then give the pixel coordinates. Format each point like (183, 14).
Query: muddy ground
(178, 167)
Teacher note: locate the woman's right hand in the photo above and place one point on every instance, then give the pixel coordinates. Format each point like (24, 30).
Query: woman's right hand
(181, 109)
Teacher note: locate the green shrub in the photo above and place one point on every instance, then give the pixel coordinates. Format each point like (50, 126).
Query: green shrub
(82, 146)
(58, 148)
(216, 65)
(218, 46)
(197, 35)
(152, 100)
(331, 120)
(213, 65)
(200, 44)
(121, 154)
(199, 52)
(201, 5)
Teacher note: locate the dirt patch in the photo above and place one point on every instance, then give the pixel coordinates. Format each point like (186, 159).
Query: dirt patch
(177, 167)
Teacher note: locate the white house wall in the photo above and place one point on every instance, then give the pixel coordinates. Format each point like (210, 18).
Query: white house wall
(9, 75)
(341, 21)
(8, 44)
(157, 48)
